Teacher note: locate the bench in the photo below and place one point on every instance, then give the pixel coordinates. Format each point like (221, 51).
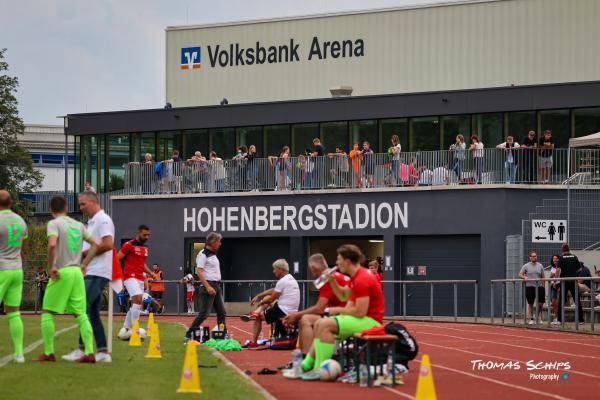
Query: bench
(369, 350)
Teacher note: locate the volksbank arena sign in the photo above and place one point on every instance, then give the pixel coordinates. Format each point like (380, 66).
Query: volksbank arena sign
(235, 55)
(333, 216)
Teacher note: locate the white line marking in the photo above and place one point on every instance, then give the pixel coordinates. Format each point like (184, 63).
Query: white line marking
(408, 396)
(240, 329)
(512, 345)
(500, 358)
(5, 360)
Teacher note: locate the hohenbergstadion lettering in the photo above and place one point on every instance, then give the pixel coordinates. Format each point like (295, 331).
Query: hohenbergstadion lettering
(381, 215)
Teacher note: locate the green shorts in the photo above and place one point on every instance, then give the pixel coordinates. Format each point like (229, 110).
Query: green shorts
(11, 287)
(348, 325)
(67, 293)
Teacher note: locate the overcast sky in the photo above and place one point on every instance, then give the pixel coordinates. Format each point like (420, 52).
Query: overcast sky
(75, 56)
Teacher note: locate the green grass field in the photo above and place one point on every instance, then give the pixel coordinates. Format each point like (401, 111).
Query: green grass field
(129, 376)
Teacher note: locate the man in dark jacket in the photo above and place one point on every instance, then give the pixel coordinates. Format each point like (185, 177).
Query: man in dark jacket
(568, 265)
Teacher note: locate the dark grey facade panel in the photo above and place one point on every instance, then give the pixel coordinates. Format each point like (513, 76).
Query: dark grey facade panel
(519, 98)
(468, 211)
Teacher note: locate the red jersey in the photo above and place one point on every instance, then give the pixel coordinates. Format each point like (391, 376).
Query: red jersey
(365, 284)
(135, 254)
(327, 292)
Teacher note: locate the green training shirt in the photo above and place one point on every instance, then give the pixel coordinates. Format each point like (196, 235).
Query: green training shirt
(13, 231)
(70, 234)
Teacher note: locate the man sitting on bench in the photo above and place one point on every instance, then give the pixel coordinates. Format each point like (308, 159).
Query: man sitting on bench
(317, 265)
(364, 309)
(287, 294)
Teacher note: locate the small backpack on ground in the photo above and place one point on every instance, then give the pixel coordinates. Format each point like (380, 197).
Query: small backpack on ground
(406, 346)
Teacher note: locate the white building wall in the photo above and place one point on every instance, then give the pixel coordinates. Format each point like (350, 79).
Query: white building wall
(458, 46)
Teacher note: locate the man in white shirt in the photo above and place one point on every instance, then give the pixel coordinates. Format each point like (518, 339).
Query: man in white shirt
(98, 273)
(287, 294)
(510, 164)
(440, 176)
(208, 270)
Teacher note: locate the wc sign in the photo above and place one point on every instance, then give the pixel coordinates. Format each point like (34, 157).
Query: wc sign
(549, 230)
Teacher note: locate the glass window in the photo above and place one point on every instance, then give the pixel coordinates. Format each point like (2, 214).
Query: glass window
(276, 137)
(167, 142)
(518, 124)
(361, 131)
(302, 137)
(488, 127)
(453, 125)
(118, 156)
(92, 155)
(424, 134)
(559, 122)
(334, 134)
(143, 143)
(195, 140)
(389, 128)
(222, 142)
(251, 135)
(587, 121)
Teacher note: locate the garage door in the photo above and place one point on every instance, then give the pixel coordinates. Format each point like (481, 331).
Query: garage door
(440, 257)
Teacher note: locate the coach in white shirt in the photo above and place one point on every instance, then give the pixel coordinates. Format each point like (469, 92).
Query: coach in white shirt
(98, 273)
(208, 270)
(285, 297)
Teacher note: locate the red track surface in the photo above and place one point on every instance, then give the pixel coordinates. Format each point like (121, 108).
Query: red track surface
(451, 348)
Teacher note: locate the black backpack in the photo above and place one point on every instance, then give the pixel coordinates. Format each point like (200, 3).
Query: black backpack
(406, 346)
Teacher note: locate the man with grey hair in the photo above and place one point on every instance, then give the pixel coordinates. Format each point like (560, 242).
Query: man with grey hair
(208, 270)
(98, 274)
(286, 293)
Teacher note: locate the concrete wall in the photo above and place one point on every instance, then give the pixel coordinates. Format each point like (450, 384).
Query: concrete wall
(491, 213)
(445, 47)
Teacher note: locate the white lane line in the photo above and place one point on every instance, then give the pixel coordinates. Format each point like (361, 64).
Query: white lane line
(6, 359)
(491, 332)
(408, 396)
(240, 329)
(500, 358)
(510, 385)
(511, 345)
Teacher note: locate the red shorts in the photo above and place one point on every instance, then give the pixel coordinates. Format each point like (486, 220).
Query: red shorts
(189, 296)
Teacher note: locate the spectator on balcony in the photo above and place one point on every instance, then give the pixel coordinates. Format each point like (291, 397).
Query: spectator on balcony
(281, 165)
(217, 172)
(172, 173)
(239, 168)
(394, 153)
(89, 188)
(369, 162)
(440, 176)
(425, 176)
(252, 168)
(531, 273)
(476, 150)
(318, 153)
(528, 146)
(309, 169)
(199, 171)
(546, 146)
(356, 156)
(510, 161)
(339, 167)
(458, 156)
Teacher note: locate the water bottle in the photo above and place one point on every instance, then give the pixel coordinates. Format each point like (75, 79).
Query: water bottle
(363, 375)
(297, 361)
(205, 334)
(322, 280)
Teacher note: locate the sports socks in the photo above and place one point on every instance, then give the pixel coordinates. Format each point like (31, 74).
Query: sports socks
(323, 351)
(308, 363)
(87, 335)
(15, 326)
(48, 333)
(136, 309)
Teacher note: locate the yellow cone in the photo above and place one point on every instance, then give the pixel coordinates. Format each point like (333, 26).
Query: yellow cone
(425, 385)
(154, 346)
(151, 324)
(190, 379)
(135, 340)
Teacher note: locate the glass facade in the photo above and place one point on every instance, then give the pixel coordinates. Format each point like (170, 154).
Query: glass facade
(99, 159)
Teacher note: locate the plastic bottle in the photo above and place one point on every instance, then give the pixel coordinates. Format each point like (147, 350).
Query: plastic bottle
(297, 361)
(322, 280)
(362, 375)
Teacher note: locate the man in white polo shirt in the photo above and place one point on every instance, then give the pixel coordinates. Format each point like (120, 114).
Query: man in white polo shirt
(287, 294)
(208, 270)
(98, 274)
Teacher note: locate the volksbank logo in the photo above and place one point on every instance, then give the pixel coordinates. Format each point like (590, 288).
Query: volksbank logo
(234, 55)
(190, 58)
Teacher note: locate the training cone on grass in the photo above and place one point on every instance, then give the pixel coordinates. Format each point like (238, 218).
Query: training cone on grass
(190, 378)
(135, 340)
(154, 346)
(425, 385)
(151, 324)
